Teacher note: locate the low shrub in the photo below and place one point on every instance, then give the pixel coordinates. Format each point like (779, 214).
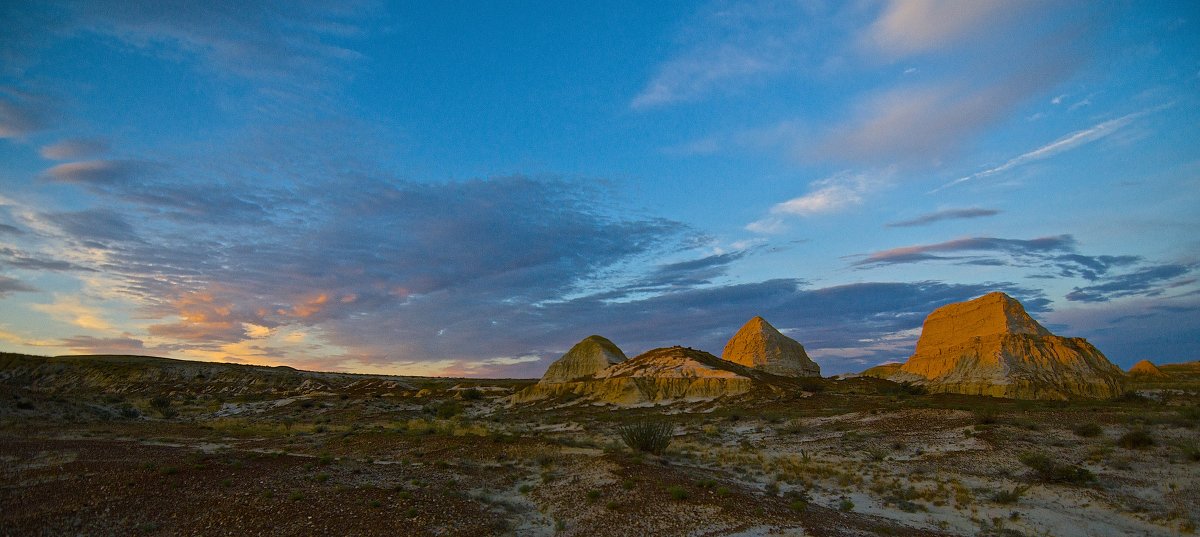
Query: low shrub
(1136, 439)
(1052, 471)
(650, 437)
(1010, 496)
(677, 492)
(1088, 430)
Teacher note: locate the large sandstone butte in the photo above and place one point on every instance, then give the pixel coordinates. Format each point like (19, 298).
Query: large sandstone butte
(991, 346)
(1146, 368)
(760, 346)
(586, 358)
(656, 376)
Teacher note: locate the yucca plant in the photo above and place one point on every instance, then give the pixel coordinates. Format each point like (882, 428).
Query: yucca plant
(647, 436)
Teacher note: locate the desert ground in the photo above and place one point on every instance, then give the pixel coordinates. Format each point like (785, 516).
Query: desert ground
(148, 446)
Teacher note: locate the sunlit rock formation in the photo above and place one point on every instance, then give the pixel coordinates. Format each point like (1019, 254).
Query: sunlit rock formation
(760, 346)
(660, 375)
(586, 358)
(1146, 368)
(991, 346)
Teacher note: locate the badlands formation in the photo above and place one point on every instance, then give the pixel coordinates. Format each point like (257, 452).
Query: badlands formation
(758, 356)
(991, 346)
(586, 358)
(986, 346)
(1146, 368)
(761, 346)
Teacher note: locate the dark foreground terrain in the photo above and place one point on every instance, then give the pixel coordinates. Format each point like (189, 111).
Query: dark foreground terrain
(146, 446)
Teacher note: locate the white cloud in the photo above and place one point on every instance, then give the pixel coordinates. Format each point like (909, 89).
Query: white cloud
(688, 77)
(915, 26)
(826, 196)
(1066, 143)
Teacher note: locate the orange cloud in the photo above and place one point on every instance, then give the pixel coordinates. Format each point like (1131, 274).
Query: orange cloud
(307, 308)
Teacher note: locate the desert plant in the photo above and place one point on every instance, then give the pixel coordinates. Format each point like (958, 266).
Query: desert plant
(1136, 439)
(1190, 450)
(162, 405)
(986, 417)
(649, 437)
(1049, 470)
(1010, 496)
(1088, 430)
(846, 505)
(677, 492)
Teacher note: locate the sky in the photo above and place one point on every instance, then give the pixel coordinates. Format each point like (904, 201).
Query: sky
(469, 188)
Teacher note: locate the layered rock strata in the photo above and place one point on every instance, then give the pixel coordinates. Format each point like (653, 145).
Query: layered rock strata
(991, 346)
(660, 375)
(760, 346)
(586, 358)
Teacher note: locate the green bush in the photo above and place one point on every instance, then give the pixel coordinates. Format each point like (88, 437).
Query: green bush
(1052, 471)
(677, 492)
(1088, 430)
(1136, 439)
(448, 410)
(649, 437)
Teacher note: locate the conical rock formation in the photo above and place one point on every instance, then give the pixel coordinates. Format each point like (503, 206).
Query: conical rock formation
(1146, 368)
(760, 346)
(991, 346)
(586, 358)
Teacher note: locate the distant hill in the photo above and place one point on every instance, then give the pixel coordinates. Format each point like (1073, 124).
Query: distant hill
(146, 376)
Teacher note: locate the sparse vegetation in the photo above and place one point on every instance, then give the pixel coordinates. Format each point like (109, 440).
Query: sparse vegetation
(677, 492)
(1010, 496)
(162, 405)
(1136, 439)
(646, 436)
(1049, 470)
(1088, 430)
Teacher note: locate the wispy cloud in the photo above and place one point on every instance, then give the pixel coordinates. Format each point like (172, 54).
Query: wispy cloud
(945, 214)
(99, 172)
(915, 26)
(74, 148)
(1071, 141)
(826, 196)
(12, 285)
(928, 252)
(915, 123)
(292, 41)
(71, 309)
(1143, 282)
(727, 46)
(690, 77)
(22, 113)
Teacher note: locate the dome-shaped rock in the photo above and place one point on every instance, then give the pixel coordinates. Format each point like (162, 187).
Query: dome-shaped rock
(585, 359)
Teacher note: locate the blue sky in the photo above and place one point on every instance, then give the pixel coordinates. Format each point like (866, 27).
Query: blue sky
(470, 188)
